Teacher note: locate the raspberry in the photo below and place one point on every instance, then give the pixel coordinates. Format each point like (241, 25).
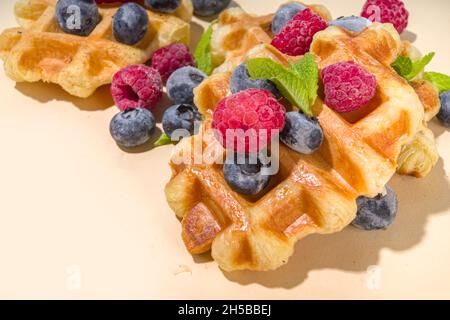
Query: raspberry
(136, 86)
(387, 11)
(347, 86)
(252, 111)
(170, 58)
(296, 37)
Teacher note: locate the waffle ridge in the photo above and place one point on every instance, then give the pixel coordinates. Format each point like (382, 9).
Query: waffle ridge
(310, 193)
(39, 50)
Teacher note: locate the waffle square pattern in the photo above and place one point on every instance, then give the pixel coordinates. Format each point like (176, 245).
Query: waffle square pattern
(310, 193)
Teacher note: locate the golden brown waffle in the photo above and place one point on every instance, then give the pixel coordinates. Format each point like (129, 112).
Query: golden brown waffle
(310, 194)
(40, 50)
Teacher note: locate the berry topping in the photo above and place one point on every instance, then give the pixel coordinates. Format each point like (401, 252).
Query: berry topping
(181, 84)
(132, 127)
(302, 133)
(182, 116)
(170, 58)
(352, 23)
(387, 11)
(376, 213)
(136, 86)
(241, 81)
(245, 176)
(78, 17)
(130, 23)
(347, 86)
(444, 112)
(250, 118)
(208, 8)
(165, 6)
(296, 37)
(284, 15)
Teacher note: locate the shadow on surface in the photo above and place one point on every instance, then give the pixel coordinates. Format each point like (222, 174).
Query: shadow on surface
(437, 127)
(355, 250)
(45, 92)
(409, 36)
(196, 33)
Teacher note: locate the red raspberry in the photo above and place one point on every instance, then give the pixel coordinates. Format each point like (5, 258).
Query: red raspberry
(170, 58)
(296, 37)
(347, 86)
(136, 86)
(387, 11)
(251, 110)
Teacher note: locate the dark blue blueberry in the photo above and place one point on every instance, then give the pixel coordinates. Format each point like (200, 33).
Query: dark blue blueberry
(182, 116)
(165, 6)
(284, 15)
(241, 81)
(181, 84)
(352, 23)
(444, 113)
(78, 17)
(132, 127)
(301, 133)
(130, 23)
(208, 8)
(244, 176)
(376, 213)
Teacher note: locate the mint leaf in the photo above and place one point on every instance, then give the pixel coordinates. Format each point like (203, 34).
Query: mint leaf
(408, 69)
(402, 65)
(419, 66)
(202, 52)
(286, 80)
(308, 71)
(163, 140)
(442, 81)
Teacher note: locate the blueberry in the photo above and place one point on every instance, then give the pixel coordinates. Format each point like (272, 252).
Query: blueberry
(284, 15)
(165, 6)
(182, 116)
(444, 113)
(244, 176)
(181, 84)
(208, 8)
(132, 127)
(241, 81)
(301, 133)
(78, 17)
(130, 23)
(352, 23)
(376, 213)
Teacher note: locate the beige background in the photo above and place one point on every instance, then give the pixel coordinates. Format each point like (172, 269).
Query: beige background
(81, 218)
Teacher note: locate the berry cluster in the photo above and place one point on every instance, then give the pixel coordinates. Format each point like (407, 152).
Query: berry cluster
(140, 88)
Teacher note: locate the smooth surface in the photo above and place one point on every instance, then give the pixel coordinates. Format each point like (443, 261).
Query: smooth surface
(81, 218)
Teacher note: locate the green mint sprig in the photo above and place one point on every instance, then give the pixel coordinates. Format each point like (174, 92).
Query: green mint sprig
(308, 71)
(163, 140)
(202, 52)
(298, 83)
(409, 69)
(442, 81)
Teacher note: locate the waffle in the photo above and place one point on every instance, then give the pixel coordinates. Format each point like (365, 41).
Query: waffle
(310, 193)
(39, 50)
